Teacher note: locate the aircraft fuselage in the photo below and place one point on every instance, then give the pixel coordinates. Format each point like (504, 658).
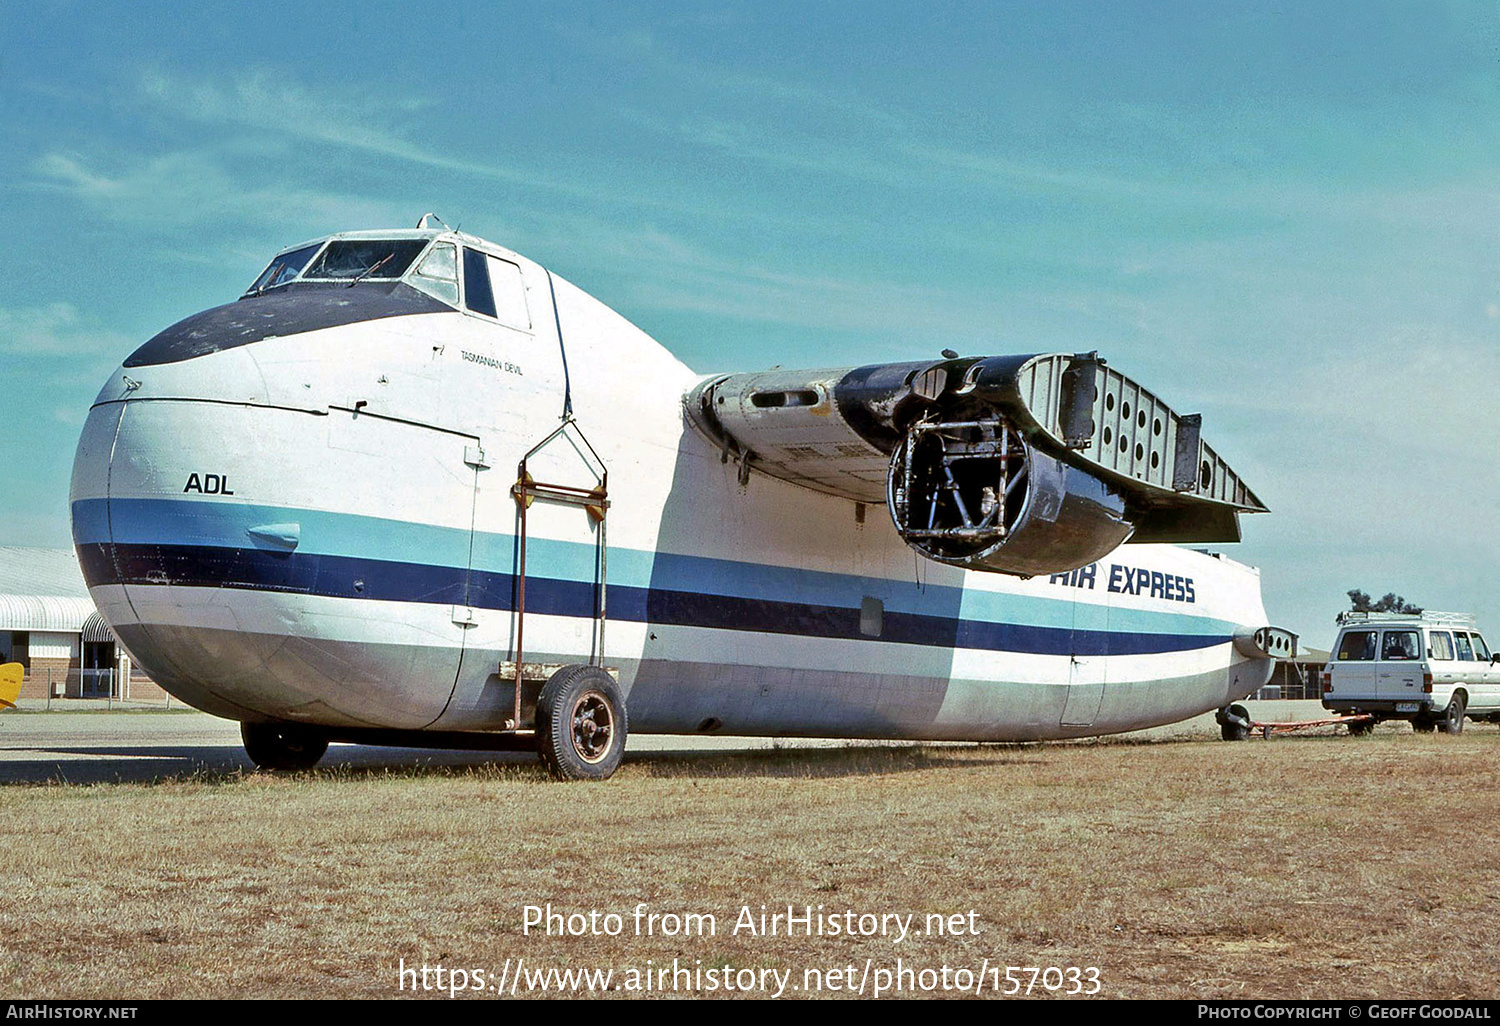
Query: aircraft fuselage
(299, 508)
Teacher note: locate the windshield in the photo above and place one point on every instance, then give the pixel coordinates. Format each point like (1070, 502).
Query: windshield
(366, 258)
(283, 269)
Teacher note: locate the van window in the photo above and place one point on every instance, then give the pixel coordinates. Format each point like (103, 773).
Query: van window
(1481, 650)
(1465, 650)
(1358, 645)
(1442, 645)
(1400, 645)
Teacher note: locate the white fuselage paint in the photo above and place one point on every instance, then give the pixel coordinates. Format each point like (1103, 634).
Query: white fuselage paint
(378, 588)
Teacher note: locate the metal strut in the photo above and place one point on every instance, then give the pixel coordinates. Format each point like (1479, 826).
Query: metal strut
(973, 504)
(595, 501)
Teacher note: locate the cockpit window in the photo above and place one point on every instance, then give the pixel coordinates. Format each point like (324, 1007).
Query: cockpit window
(366, 259)
(283, 269)
(438, 272)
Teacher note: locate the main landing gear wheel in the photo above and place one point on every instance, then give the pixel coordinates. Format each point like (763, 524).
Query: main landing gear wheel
(1453, 721)
(283, 747)
(1234, 723)
(580, 724)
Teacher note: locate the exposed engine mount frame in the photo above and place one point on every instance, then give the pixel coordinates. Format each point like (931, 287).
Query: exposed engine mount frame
(958, 486)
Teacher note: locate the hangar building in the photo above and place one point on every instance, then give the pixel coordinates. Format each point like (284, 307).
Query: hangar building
(49, 625)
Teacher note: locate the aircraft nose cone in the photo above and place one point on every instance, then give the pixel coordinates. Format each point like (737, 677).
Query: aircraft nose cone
(290, 310)
(198, 530)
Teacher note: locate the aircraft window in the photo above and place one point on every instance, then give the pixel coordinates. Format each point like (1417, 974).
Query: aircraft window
(477, 294)
(494, 288)
(438, 272)
(1442, 645)
(283, 269)
(1481, 650)
(366, 258)
(1465, 650)
(1400, 645)
(510, 293)
(1358, 645)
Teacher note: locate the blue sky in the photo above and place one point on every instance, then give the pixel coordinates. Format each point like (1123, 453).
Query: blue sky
(1283, 215)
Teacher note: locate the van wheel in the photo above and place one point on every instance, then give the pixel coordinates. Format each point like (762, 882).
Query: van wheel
(1422, 725)
(1453, 721)
(284, 747)
(580, 724)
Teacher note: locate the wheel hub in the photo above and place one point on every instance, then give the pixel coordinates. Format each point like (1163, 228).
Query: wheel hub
(593, 728)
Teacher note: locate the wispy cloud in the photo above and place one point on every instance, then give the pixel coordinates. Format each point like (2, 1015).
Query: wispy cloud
(182, 189)
(279, 104)
(670, 272)
(55, 330)
(275, 105)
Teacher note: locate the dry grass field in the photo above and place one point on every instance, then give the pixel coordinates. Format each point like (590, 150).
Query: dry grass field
(1303, 867)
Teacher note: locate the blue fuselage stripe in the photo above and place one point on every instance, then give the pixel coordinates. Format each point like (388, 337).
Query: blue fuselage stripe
(205, 544)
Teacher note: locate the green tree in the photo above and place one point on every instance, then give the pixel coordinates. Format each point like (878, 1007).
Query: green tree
(1360, 602)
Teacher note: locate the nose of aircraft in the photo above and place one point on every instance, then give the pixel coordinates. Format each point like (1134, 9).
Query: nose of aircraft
(205, 535)
(133, 535)
(208, 517)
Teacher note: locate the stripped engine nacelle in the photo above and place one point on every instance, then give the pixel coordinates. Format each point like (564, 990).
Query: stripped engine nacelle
(1028, 464)
(973, 493)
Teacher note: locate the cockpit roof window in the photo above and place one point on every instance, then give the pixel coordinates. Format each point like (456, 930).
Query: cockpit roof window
(283, 269)
(365, 259)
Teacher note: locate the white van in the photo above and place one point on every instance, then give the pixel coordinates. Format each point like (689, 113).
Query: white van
(1430, 668)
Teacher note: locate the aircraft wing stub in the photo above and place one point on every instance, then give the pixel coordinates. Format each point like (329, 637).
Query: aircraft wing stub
(845, 431)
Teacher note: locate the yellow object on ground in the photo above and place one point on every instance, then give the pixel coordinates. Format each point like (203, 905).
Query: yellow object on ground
(10, 684)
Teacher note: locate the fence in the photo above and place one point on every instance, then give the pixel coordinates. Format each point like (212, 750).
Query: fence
(1293, 680)
(107, 683)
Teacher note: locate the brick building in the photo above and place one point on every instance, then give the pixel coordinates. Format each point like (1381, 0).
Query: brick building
(49, 625)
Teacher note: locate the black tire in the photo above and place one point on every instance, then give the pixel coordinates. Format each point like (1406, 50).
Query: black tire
(1423, 725)
(1453, 720)
(1362, 728)
(1230, 730)
(282, 747)
(580, 724)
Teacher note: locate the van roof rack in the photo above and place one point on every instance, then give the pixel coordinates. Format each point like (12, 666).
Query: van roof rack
(1425, 616)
